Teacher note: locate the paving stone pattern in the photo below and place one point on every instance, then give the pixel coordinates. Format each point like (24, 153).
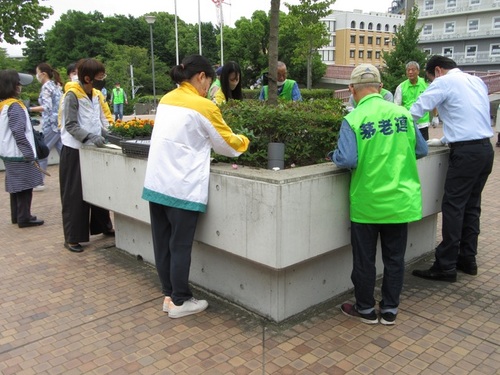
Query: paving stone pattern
(99, 312)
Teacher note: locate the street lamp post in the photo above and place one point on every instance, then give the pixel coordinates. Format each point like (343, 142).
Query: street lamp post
(151, 21)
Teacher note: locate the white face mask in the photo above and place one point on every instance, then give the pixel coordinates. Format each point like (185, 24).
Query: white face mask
(38, 78)
(74, 78)
(280, 83)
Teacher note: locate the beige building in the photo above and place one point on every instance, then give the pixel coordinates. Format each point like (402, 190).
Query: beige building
(357, 37)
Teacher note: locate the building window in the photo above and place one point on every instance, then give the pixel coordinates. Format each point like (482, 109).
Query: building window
(496, 23)
(427, 30)
(370, 40)
(386, 27)
(361, 39)
(428, 51)
(448, 52)
(370, 26)
(377, 40)
(353, 24)
(332, 42)
(369, 54)
(377, 54)
(474, 2)
(379, 27)
(353, 38)
(361, 54)
(330, 25)
(328, 56)
(429, 5)
(495, 50)
(387, 41)
(352, 54)
(395, 29)
(361, 25)
(449, 27)
(470, 51)
(473, 25)
(451, 3)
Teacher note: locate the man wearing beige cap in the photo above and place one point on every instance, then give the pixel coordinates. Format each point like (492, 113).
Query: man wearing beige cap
(380, 145)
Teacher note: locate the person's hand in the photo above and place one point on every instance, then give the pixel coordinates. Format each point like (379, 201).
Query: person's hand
(435, 121)
(434, 142)
(97, 140)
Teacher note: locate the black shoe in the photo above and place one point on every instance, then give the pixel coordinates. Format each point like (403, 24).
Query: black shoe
(14, 221)
(432, 274)
(109, 233)
(469, 268)
(31, 223)
(76, 248)
(387, 318)
(352, 311)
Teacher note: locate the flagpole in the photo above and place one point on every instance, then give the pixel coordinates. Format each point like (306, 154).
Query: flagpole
(199, 27)
(176, 35)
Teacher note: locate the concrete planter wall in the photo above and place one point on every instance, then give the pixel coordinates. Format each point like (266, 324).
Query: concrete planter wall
(275, 242)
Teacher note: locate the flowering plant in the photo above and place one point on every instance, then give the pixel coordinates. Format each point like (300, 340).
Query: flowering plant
(132, 128)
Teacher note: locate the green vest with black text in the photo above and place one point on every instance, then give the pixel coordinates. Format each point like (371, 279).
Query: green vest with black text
(385, 187)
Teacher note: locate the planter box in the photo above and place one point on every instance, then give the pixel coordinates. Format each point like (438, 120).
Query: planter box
(275, 242)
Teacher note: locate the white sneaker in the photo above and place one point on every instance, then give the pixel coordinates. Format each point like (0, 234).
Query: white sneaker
(166, 303)
(190, 307)
(39, 188)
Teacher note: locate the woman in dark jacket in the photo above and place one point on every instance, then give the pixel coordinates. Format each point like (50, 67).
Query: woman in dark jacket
(17, 148)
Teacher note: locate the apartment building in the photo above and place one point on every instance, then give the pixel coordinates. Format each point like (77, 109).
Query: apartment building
(468, 31)
(357, 37)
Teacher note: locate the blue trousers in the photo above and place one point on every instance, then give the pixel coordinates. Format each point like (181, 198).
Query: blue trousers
(173, 233)
(118, 111)
(393, 238)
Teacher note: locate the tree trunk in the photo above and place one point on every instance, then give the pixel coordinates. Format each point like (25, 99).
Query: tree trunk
(273, 52)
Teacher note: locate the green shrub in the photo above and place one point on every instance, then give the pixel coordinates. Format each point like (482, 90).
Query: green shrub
(306, 94)
(309, 129)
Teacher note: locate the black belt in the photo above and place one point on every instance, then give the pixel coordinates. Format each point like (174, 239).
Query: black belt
(483, 141)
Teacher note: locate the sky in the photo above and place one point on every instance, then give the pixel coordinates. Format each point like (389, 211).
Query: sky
(187, 10)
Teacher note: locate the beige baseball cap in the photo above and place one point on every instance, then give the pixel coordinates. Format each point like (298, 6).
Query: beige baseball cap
(365, 73)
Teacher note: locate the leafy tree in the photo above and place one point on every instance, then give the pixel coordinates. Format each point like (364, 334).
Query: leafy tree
(209, 46)
(74, 36)
(311, 34)
(21, 18)
(406, 49)
(35, 53)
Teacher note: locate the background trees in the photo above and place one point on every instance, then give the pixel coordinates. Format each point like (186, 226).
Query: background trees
(121, 41)
(20, 18)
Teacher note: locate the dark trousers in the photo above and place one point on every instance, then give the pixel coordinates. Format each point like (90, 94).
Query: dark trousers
(425, 132)
(20, 206)
(173, 233)
(79, 217)
(393, 239)
(468, 171)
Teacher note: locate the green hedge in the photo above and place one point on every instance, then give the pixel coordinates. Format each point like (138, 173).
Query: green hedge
(309, 129)
(306, 94)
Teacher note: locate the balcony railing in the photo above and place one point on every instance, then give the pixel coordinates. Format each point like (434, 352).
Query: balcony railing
(460, 33)
(480, 58)
(462, 7)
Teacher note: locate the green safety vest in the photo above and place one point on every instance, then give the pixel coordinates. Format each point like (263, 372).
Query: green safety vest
(385, 187)
(118, 96)
(286, 92)
(410, 94)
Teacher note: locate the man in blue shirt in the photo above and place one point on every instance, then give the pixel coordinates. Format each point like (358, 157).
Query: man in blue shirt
(463, 105)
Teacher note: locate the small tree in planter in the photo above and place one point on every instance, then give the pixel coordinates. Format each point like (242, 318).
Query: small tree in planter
(309, 129)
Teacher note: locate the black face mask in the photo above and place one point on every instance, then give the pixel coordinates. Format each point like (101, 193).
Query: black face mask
(98, 85)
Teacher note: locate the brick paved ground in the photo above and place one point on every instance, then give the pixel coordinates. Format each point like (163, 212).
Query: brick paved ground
(99, 312)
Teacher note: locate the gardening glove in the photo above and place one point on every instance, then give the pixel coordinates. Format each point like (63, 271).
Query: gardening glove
(435, 142)
(435, 121)
(97, 140)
